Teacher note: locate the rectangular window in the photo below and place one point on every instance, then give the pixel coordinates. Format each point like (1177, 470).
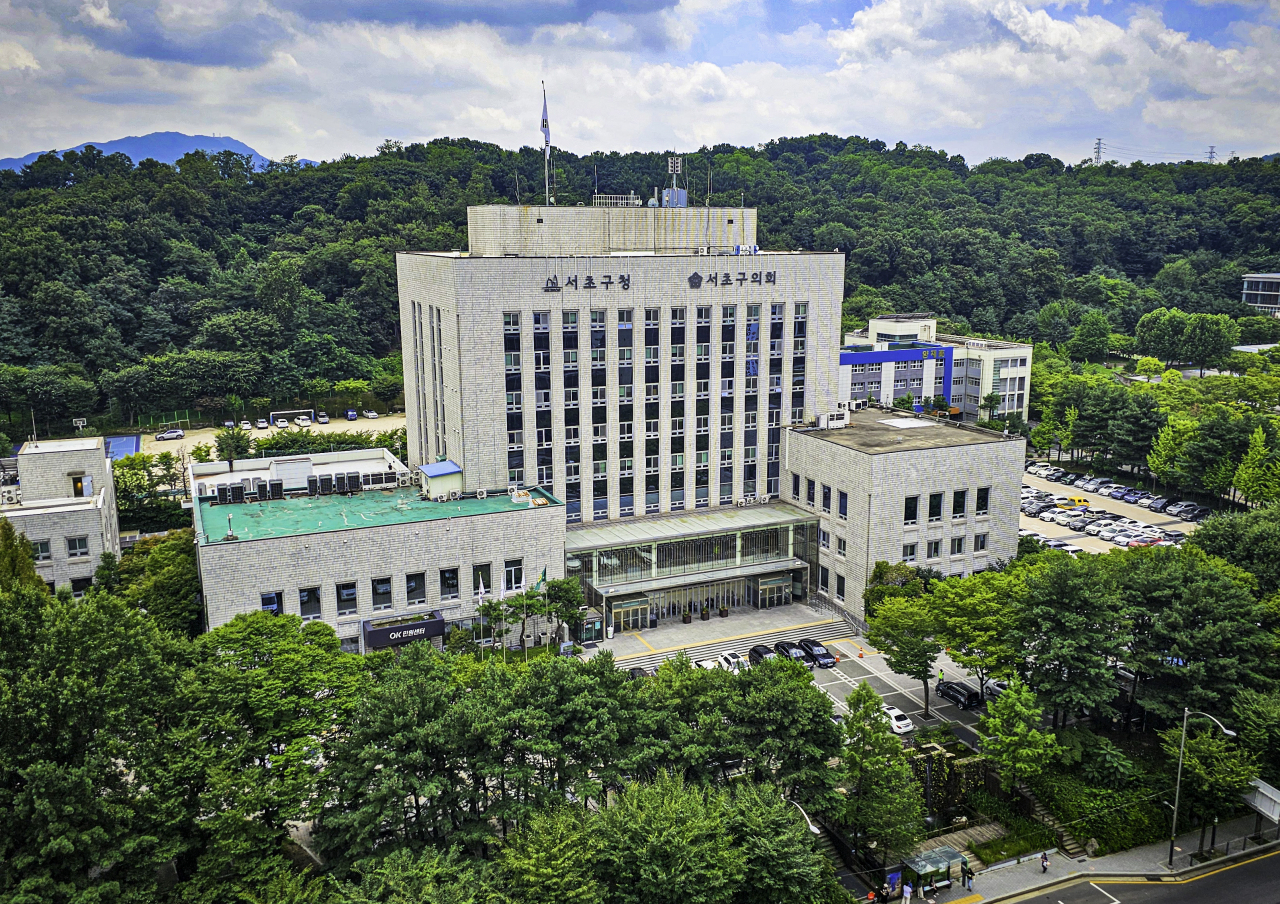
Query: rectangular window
(309, 603)
(810, 491)
(982, 505)
(843, 507)
(702, 459)
(911, 510)
(415, 588)
(41, 551)
(677, 426)
(933, 549)
(77, 547)
(541, 321)
(511, 322)
(677, 461)
(957, 546)
(842, 547)
(481, 579)
(624, 320)
(346, 593)
(677, 354)
(908, 552)
(513, 360)
(570, 320)
(571, 357)
(272, 602)
(382, 588)
(677, 390)
(795, 486)
(600, 468)
(840, 588)
(826, 498)
(959, 503)
(513, 570)
(824, 539)
(650, 429)
(979, 542)
(677, 316)
(935, 506)
(824, 578)
(597, 319)
(448, 583)
(726, 349)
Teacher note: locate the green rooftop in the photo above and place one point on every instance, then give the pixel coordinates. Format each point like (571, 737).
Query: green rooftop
(299, 515)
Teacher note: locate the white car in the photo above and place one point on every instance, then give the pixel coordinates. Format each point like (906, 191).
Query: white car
(245, 425)
(1070, 550)
(282, 423)
(262, 423)
(1096, 528)
(1124, 538)
(1023, 532)
(302, 420)
(1065, 518)
(733, 661)
(710, 665)
(1110, 533)
(370, 414)
(1049, 515)
(899, 721)
(172, 433)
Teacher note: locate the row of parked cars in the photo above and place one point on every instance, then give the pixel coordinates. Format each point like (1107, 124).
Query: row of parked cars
(1105, 486)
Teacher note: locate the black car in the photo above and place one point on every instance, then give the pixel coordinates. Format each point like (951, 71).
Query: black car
(958, 693)
(634, 673)
(1195, 514)
(819, 654)
(759, 653)
(793, 651)
(1035, 508)
(1160, 503)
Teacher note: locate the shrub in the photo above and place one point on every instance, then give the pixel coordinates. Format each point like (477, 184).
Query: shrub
(1118, 819)
(1023, 836)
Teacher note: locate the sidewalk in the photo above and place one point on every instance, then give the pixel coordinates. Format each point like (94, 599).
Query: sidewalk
(1151, 858)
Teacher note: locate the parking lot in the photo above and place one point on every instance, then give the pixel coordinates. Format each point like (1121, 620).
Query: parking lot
(1115, 506)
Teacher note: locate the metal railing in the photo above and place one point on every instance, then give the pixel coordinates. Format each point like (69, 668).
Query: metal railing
(1222, 849)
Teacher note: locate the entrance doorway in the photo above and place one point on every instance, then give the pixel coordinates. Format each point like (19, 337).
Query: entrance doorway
(774, 591)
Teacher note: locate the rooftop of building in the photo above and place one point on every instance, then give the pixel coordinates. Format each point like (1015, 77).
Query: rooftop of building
(300, 515)
(677, 525)
(49, 446)
(880, 431)
(1261, 276)
(907, 318)
(295, 468)
(980, 343)
(51, 506)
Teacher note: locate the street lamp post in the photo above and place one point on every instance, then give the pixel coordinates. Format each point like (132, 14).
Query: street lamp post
(1177, 791)
(813, 827)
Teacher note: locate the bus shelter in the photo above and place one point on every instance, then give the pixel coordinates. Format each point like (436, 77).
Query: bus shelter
(933, 870)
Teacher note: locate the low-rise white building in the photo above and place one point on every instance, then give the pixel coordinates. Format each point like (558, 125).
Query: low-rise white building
(65, 504)
(382, 553)
(895, 487)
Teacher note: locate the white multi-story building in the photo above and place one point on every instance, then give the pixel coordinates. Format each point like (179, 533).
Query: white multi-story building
(1262, 291)
(65, 504)
(904, 354)
(896, 487)
(383, 554)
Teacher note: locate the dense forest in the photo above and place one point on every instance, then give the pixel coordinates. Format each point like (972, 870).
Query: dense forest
(129, 289)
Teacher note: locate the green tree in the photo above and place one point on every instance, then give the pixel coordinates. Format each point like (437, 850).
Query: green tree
(423, 877)
(1257, 717)
(1258, 476)
(1091, 338)
(888, 580)
(1148, 367)
(779, 860)
(55, 395)
(1012, 738)
(1248, 540)
(564, 601)
(202, 453)
(1133, 430)
(232, 444)
(552, 859)
(107, 575)
(1215, 772)
(386, 387)
(160, 576)
(905, 402)
(1166, 450)
(972, 619)
(1208, 339)
(904, 629)
(351, 390)
(991, 403)
(17, 561)
(1159, 334)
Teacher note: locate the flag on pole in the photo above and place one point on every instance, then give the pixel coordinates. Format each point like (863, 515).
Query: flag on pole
(480, 587)
(541, 583)
(546, 126)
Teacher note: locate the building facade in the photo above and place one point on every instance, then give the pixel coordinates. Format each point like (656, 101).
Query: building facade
(1262, 291)
(65, 504)
(903, 354)
(358, 540)
(895, 487)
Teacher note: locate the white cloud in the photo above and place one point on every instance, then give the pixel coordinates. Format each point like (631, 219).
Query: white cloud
(98, 13)
(979, 77)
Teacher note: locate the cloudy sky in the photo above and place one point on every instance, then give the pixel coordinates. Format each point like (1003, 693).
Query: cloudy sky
(317, 78)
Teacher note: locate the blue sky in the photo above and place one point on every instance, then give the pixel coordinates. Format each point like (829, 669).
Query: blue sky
(318, 78)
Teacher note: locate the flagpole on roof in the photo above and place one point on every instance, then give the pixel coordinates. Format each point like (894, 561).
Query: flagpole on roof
(546, 148)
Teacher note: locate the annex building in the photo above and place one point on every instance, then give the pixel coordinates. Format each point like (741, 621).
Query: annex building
(64, 501)
(1262, 291)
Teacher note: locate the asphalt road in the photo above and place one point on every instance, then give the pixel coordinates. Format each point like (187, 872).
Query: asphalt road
(1251, 882)
(1084, 541)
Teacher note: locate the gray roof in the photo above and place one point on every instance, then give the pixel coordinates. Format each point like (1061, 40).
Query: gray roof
(878, 431)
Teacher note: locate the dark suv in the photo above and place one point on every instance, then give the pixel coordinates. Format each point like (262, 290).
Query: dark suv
(791, 650)
(958, 693)
(1161, 503)
(819, 654)
(759, 653)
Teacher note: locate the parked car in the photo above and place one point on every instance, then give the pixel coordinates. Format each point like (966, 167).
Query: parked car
(1144, 540)
(1079, 524)
(1093, 484)
(282, 423)
(261, 423)
(1196, 515)
(1096, 514)
(245, 425)
(733, 661)
(1035, 465)
(1023, 532)
(1070, 550)
(1049, 514)
(820, 655)
(958, 693)
(322, 418)
(793, 650)
(1054, 475)
(1109, 533)
(637, 672)
(1107, 488)
(994, 687)
(351, 414)
(1118, 492)
(1146, 500)
(1173, 536)
(759, 653)
(1035, 508)
(1124, 538)
(1177, 507)
(173, 433)
(302, 420)
(1065, 518)
(1136, 496)
(229, 425)
(899, 722)
(370, 414)
(1096, 528)
(1161, 503)
(710, 665)
(1053, 543)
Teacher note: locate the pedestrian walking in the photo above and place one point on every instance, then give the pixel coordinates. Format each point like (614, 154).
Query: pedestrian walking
(966, 877)
(906, 892)
(1044, 862)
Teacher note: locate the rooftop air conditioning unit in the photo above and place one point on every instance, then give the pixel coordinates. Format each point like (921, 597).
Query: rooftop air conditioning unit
(742, 503)
(482, 494)
(8, 496)
(403, 479)
(455, 495)
(443, 497)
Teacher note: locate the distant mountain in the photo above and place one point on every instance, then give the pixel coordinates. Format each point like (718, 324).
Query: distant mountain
(167, 147)
(1271, 157)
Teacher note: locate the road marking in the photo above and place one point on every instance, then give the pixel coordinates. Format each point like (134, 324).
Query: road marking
(970, 899)
(1221, 869)
(636, 635)
(1114, 899)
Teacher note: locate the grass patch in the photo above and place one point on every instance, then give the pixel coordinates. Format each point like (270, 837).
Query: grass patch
(1024, 836)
